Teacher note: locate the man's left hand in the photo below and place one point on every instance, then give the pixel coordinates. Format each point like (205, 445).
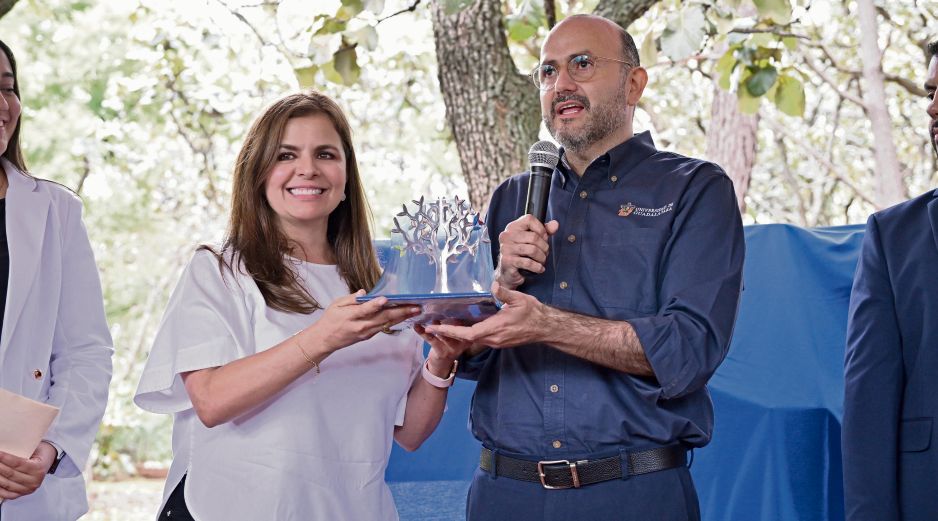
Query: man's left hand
(20, 476)
(521, 320)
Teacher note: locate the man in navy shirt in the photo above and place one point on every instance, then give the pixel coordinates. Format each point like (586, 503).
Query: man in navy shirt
(890, 438)
(591, 384)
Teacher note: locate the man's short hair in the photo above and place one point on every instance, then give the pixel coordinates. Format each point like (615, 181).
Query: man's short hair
(629, 50)
(933, 49)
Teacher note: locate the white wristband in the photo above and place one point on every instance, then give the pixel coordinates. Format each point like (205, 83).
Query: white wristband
(435, 380)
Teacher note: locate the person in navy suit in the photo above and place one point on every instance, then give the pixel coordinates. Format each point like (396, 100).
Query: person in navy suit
(890, 436)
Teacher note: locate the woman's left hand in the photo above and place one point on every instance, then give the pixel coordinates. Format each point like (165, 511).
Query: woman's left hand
(21, 477)
(443, 351)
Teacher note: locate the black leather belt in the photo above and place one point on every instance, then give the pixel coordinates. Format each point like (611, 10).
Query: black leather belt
(574, 474)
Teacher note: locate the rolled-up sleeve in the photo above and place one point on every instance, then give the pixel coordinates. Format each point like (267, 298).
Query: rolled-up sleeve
(700, 284)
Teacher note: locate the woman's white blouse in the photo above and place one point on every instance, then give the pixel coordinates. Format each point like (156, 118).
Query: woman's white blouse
(319, 449)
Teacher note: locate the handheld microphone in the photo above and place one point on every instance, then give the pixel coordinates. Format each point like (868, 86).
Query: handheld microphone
(543, 158)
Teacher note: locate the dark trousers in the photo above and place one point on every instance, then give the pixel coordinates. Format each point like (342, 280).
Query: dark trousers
(667, 495)
(175, 508)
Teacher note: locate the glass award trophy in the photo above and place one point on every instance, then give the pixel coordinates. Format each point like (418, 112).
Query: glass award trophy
(440, 260)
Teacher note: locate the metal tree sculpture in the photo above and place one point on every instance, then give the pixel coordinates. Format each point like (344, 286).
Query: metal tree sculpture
(442, 231)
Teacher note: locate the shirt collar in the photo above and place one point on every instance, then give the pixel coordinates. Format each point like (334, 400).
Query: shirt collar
(621, 158)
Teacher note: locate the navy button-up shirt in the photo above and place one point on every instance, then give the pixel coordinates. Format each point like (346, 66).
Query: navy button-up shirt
(648, 237)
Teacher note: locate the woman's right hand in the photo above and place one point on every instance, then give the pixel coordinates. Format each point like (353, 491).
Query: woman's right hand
(346, 322)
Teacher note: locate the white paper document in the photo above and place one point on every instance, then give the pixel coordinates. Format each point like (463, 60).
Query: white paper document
(23, 423)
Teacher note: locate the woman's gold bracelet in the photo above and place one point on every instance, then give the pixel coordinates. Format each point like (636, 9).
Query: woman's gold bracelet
(305, 354)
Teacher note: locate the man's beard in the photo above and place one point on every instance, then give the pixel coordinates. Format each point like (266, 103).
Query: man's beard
(601, 121)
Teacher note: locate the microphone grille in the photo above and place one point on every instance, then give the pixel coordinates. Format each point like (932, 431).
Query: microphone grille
(544, 153)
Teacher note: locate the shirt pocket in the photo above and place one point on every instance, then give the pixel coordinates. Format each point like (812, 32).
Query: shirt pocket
(624, 270)
(915, 434)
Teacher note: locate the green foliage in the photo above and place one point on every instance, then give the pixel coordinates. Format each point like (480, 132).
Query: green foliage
(346, 66)
(777, 11)
(725, 67)
(762, 56)
(691, 27)
(523, 24)
(520, 29)
(761, 80)
(375, 6)
(331, 25)
(149, 105)
(306, 76)
(648, 52)
(789, 97)
(451, 7)
(684, 33)
(367, 37)
(349, 9)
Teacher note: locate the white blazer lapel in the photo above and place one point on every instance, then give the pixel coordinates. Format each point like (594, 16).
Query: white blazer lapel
(27, 211)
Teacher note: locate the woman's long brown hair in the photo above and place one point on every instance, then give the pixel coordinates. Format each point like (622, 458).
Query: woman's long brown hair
(13, 153)
(254, 237)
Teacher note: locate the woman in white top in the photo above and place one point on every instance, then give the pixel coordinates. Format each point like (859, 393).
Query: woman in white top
(286, 393)
(54, 341)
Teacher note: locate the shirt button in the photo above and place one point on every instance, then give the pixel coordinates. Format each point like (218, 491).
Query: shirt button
(557, 444)
(571, 238)
(37, 374)
(554, 388)
(563, 284)
(583, 194)
(613, 179)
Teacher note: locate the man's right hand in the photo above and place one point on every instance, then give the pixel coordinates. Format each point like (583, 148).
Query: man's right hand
(523, 245)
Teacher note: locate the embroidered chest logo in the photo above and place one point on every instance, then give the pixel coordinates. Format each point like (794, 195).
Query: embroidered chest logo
(628, 209)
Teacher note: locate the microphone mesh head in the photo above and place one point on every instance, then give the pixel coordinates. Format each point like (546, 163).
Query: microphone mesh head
(544, 153)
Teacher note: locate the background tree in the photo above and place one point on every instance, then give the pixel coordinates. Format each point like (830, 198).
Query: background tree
(5, 6)
(141, 107)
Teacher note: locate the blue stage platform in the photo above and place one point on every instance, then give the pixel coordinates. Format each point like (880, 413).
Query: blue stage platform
(775, 453)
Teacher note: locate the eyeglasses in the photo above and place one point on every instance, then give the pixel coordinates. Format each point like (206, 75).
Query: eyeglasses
(581, 68)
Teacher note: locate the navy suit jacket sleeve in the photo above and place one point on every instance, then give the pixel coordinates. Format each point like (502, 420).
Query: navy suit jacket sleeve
(873, 383)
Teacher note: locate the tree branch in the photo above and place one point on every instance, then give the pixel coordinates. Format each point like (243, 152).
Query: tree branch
(412, 8)
(205, 152)
(776, 31)
(264, 42)
(910, 86)
(792, 181)
(833, 84)
(550, 12)
(85, 172)
(268, 3)
(5, 6)
(623, 12)
(812, 151)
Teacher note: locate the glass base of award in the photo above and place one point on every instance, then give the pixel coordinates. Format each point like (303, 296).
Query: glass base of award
(440, 260)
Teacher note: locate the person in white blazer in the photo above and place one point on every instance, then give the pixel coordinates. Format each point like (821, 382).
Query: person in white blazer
(286, 393)
(55, 346)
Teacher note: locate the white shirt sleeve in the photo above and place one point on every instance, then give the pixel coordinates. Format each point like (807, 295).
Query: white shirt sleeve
(207, 323)
(416, 366)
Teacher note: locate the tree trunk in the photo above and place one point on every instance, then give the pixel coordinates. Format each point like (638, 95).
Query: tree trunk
(5, 6)
(889, 186)
(732, 141)
(623, 12)
(492, 109)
